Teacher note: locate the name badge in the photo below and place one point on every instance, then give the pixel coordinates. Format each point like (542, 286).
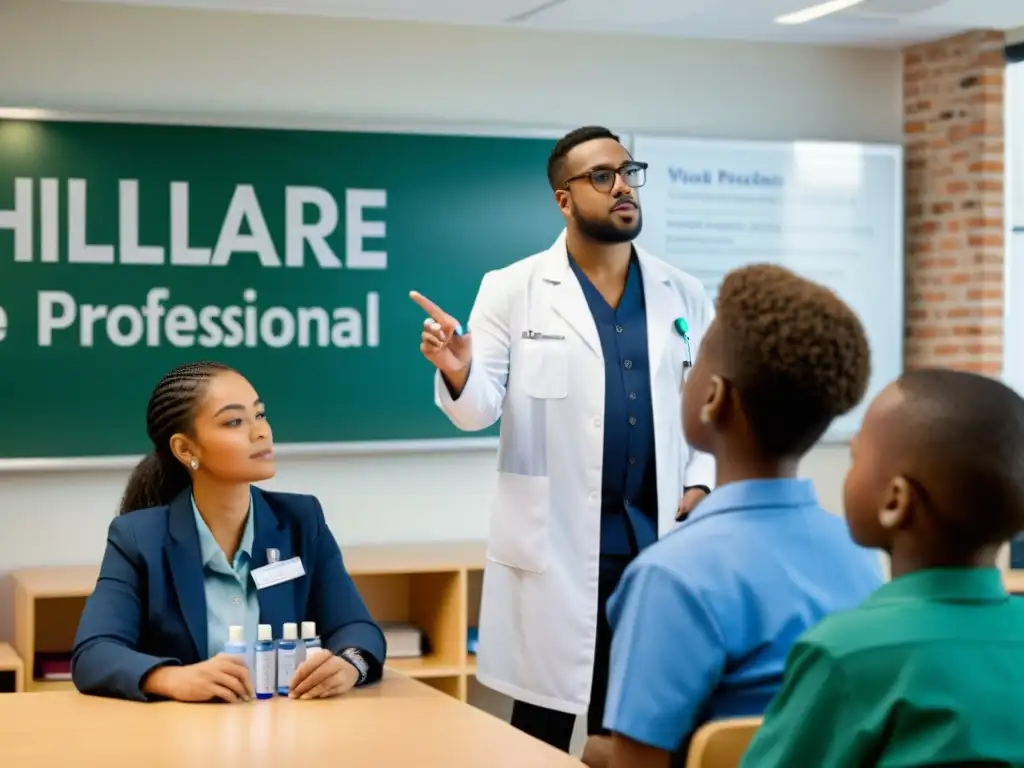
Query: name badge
(278, 573)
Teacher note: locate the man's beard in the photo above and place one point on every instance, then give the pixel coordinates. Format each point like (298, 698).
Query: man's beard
(606, 232)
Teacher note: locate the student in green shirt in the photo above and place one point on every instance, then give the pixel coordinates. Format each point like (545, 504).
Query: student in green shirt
(930, 669)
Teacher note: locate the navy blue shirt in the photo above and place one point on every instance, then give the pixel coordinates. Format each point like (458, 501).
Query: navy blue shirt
(629, 499)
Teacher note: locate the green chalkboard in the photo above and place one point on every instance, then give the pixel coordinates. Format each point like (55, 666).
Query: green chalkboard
(128, 248)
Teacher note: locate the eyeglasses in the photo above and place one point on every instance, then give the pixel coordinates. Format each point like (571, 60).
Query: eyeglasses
(633, 173)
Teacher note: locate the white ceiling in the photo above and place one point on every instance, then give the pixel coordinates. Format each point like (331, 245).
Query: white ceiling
(883, 23)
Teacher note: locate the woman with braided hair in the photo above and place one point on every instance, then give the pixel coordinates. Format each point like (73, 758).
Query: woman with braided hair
(183, 557)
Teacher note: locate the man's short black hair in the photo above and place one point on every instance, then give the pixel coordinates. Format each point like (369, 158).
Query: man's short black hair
(556, 160)
(795, 352)
(965, 434)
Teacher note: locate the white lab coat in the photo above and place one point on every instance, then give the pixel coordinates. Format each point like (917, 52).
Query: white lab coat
(538, 615)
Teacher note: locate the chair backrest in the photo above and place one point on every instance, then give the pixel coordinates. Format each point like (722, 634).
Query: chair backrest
(721, 743)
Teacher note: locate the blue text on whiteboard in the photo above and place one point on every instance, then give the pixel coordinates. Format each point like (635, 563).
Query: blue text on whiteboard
(725, 178)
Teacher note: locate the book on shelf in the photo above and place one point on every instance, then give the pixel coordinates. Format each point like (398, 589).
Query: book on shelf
(52, 666)
(405, 640)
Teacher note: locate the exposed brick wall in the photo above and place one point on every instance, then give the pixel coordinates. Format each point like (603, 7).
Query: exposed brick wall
(955, 152)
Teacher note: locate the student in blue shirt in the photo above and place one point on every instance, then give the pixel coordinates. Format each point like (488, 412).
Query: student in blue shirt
(182, 558)
(703, 619)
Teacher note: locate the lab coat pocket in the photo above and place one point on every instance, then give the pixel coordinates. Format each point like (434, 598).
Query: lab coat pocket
(519, 523)
(545, 368)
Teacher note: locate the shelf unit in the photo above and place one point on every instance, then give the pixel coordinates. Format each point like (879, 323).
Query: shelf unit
(48, 603)
(434, 586)
(12, 671)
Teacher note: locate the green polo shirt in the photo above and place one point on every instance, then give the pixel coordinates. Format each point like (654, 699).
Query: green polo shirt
(928, 670)
(231, 596)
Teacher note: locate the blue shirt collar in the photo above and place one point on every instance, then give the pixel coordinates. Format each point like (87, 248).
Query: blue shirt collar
(208, 546)
(760, 494)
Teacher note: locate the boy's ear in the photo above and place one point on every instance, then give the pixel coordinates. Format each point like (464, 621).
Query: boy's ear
(717, 394)
(895, 510)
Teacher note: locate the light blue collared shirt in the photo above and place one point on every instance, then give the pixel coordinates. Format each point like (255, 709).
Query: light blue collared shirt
(703, 619)
(231, 596)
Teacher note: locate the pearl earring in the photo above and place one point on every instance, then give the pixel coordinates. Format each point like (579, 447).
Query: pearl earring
(194, 463)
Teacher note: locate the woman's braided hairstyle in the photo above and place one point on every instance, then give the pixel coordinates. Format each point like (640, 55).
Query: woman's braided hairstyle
(160, 477)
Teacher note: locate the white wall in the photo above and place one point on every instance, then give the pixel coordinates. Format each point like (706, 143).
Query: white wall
(110, 58)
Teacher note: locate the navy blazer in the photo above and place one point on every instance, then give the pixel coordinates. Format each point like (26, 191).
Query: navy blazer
(149, 606)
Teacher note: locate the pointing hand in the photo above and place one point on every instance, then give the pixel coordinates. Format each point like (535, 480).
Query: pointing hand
(448, 350)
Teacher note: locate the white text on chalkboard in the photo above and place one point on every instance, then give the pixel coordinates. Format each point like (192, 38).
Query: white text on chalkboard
(154, 323)
(243, 228)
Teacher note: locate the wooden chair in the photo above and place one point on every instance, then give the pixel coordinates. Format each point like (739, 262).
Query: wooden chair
(721, 743)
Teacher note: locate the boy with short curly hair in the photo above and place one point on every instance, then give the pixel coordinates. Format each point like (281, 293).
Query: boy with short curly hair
(703, 620)
(930, 669)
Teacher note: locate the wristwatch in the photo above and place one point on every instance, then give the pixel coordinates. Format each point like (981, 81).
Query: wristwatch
(354, 657)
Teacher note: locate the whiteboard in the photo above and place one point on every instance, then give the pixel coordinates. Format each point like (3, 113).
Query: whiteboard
(832, 212)
(1014, 121)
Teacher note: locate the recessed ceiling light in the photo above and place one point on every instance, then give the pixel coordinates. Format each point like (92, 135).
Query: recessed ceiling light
(816, 11)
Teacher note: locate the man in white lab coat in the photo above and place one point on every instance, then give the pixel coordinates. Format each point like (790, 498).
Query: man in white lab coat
(580, 350)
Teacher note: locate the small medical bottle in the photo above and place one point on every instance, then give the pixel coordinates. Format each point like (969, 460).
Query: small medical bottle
(287, 661)
(310, 639)
(236, 645)
(265, 678)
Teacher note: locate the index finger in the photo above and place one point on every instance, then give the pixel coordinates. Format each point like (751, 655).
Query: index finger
(237, 668)
(438, 314)
(232, 658)
(241, 672)
(304, 677)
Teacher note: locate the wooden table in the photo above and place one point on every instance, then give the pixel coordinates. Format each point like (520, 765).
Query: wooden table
(1014, 581)
(397, 723)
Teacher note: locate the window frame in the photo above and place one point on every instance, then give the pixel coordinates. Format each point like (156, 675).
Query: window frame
(1013, 261)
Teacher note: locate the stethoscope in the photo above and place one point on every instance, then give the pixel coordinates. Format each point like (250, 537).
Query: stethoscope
(683, 329)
